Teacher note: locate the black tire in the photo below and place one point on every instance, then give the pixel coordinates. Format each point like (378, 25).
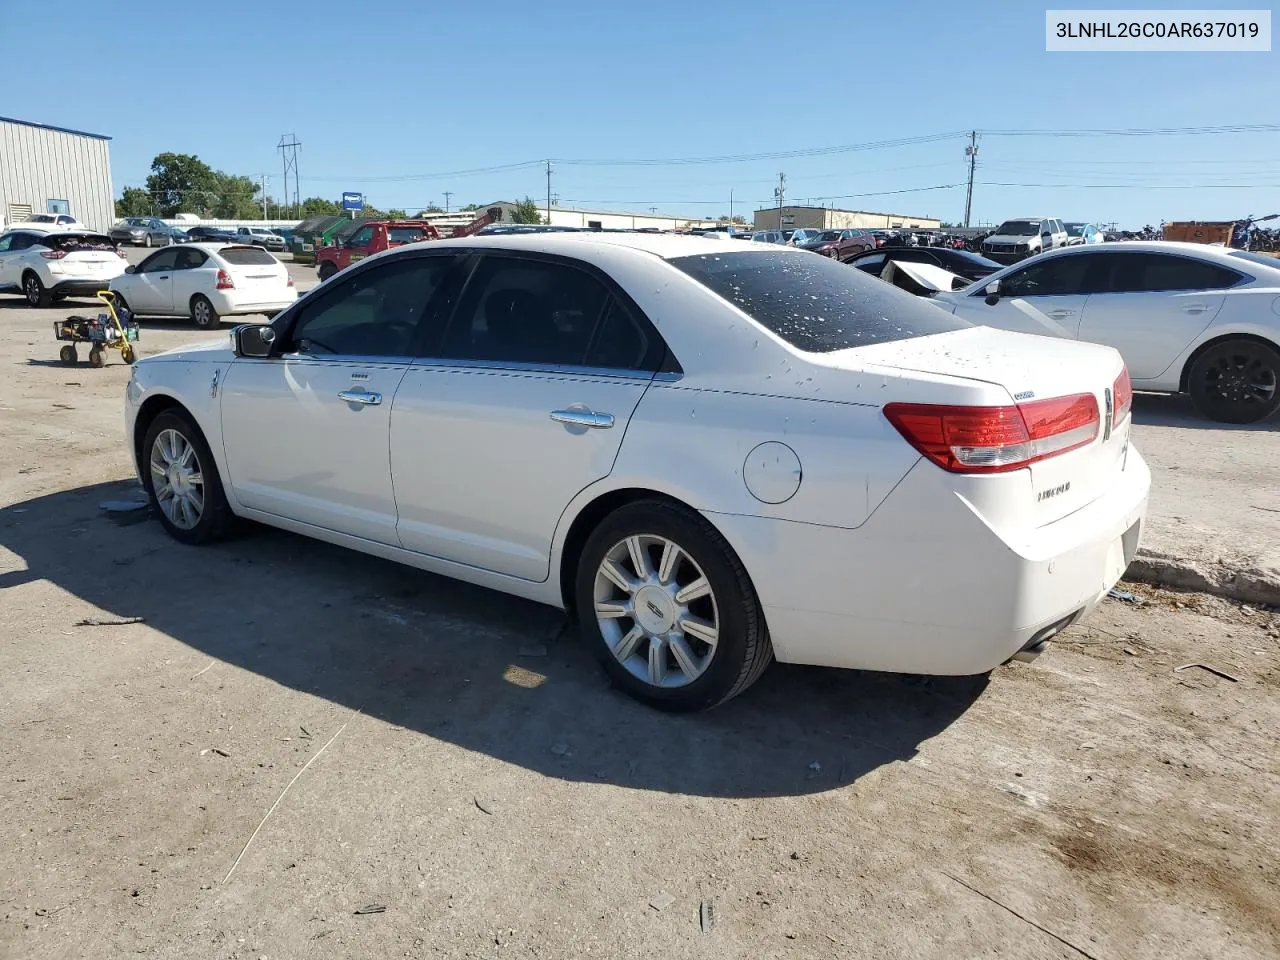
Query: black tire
(326, 271)
(121, 303)
(68, 355)
(146, 240)
(743, 649)
(1236, 381)
(96, 358)
(202, 313)
(216, 519)
(33, 289)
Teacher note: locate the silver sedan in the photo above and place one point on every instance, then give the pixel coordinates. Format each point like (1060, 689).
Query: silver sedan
(144, 232)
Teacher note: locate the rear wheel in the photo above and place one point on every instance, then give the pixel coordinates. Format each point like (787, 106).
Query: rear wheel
(37, 295)
(668, 609)
(202, 313)
(1236, 381)
(146, 240)
(68, 355)
(96, 358)
(180, 475)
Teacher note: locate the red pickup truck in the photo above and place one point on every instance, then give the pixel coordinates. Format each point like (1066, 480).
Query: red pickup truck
(372, 237)
(378, 235)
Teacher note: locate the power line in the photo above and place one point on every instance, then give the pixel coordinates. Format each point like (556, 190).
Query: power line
(1130, 186)
(771, 155)
(1142, 131)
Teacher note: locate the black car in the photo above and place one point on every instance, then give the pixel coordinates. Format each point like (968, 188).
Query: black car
(971, 266)
(211, 235)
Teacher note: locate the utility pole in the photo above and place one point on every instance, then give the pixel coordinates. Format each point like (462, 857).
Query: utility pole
(288, 147)
(447, 195)
(264, 197)
(548, 193)
(780, 191)
(971, 151)
(731, 204)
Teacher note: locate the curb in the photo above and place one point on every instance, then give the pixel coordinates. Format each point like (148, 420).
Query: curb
(1256, 585)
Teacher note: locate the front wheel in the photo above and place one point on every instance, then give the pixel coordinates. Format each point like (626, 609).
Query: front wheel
(202, 313)
(68, 355)
(668, 608)
(1236, 381)
(146, 241)
(326, 271)
(182, 480)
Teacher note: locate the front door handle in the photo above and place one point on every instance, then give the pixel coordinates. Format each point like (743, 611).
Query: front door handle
(1061, 314)
(583, 418)
(1196, 308)
(360, 396)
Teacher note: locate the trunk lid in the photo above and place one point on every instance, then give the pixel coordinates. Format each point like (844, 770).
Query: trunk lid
(1029, 369)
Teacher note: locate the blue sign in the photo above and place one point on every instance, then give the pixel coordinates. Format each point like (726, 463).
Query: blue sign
(353, 201)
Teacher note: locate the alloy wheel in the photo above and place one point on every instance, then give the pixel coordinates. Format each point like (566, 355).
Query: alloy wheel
(176, 479)
(656, 611)
(33, 291)
(1241, 376)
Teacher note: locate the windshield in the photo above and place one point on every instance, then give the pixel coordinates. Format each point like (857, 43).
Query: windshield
(1018, 228)
(1075, 229)
(246, 256)
(77, 242)
(816, 304)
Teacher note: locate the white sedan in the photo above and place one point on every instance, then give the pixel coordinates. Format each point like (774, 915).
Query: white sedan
(206, 282)
(715, 454)
(1186, 317)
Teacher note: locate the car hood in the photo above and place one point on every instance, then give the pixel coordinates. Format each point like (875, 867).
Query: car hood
(217, 350)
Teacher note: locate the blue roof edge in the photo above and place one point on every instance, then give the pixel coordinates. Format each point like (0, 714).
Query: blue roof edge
(49, 126)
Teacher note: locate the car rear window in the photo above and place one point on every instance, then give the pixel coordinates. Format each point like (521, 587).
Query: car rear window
(246, 256)
(816, 304)
(76, 242)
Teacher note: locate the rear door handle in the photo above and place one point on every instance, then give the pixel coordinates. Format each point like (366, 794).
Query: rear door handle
(1061, 314)
(360, 396)
(1196, 308)
(583, 418)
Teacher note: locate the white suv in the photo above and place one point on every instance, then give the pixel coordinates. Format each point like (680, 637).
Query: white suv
(1024, 237)
(46, 262)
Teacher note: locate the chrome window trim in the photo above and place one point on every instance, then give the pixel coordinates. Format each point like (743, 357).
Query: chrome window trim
(558, 369)
(343, 358)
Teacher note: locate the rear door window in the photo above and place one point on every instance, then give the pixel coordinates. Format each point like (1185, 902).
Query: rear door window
(816, 304)
(522, 310)
(1157, 272)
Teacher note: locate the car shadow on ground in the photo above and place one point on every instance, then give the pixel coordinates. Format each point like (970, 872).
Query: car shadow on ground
(1177, 410)
(485, 671)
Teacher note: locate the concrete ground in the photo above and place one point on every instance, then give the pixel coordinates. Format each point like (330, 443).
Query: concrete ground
(299, 751)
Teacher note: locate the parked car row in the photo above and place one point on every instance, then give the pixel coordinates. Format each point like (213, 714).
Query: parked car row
(154, 232)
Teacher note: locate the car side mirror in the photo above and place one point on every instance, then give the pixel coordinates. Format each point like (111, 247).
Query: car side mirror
(993, 293)
(131, 269)
(253, 340)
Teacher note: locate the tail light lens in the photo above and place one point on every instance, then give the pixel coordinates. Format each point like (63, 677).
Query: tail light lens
(996, 439)
(53, 254)
(1122, 398)
(290, 281)
(224, 281)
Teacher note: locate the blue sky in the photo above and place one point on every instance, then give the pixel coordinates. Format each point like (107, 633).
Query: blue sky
(387, 96)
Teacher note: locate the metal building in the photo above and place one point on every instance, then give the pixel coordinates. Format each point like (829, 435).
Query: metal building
(46, 169)
(828, 218)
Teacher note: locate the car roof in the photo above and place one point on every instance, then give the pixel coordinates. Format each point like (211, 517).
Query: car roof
(1204, 251)
(28, 227)
(662, 245)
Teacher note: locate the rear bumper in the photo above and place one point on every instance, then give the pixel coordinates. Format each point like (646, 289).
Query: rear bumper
(244, 302)
(926, 585)
(73, 286)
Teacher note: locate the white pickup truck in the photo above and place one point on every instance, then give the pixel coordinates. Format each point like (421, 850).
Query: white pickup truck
(260, 237)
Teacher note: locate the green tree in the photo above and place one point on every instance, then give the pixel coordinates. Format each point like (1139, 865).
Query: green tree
(395, 213)
(181, 181)
(526, 211)
(134, 202)
(471, 207)
(235, 198)
(320, 207)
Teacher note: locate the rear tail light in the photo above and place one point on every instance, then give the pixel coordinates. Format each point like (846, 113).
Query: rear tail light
(224, 281)
(1122, 398)
(53, 254)
(290, 281)
(996, 439)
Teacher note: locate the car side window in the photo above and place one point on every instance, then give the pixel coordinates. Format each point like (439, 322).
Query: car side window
(20, 241)
(872, 263)
(5, 241)
(518, 310)
(1157, 272)
(375, 313)
(189, 259)
(166, 259)
(1058, 276)
(621, 342)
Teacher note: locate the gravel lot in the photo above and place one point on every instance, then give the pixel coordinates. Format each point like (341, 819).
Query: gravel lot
(460, 761)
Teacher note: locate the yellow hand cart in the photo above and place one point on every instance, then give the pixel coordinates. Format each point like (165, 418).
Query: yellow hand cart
(106, 331)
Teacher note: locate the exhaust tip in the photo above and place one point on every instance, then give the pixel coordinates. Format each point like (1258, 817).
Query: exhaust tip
(1039, 641)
